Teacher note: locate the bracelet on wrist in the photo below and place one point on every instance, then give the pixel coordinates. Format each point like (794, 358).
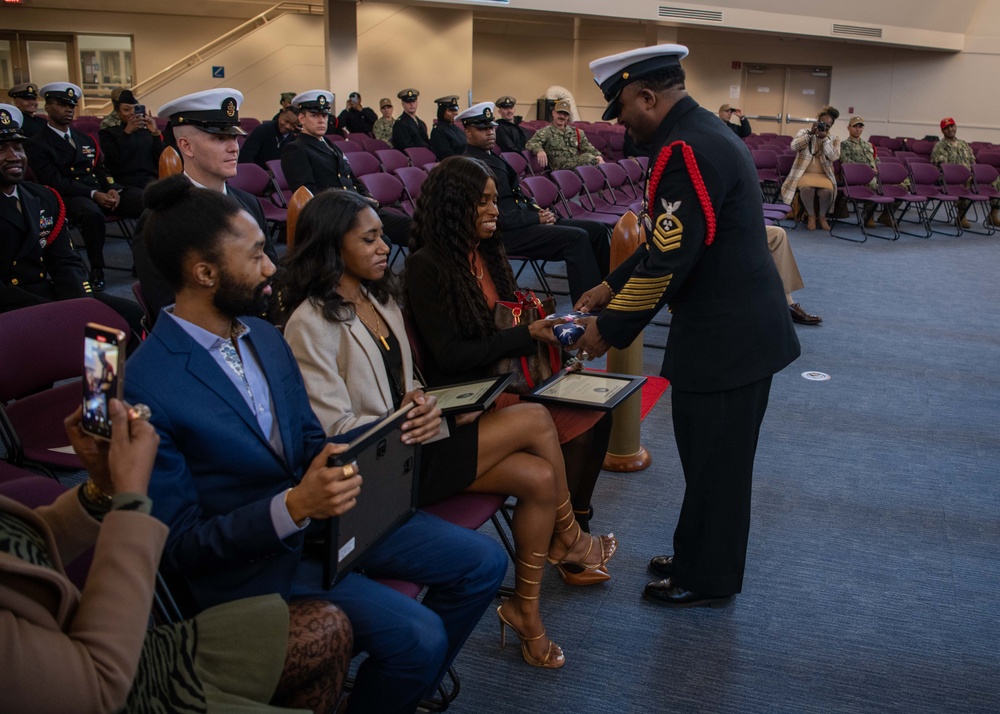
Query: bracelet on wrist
(95, 496)
(605, 284)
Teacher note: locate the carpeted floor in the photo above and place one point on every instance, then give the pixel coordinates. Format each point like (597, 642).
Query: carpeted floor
(874, 562)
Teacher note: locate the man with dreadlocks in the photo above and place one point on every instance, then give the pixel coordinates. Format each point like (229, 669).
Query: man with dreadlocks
(706, 254)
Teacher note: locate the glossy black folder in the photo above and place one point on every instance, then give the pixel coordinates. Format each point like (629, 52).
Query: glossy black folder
(388, 495)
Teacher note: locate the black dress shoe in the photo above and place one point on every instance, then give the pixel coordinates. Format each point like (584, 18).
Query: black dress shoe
(662, 565)
(97, 280)
(665, 592)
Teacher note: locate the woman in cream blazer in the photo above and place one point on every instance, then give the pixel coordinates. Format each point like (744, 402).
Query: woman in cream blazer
(347, 333)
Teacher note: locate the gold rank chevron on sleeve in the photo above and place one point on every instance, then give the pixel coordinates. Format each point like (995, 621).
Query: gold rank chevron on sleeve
(640, 294)
(667, 233)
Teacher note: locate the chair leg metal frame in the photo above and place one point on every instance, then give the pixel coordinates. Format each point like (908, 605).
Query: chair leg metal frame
(859, 222)
(987, 224)
(922, 219)
(951, 218)
(127, 235)
(539, 273)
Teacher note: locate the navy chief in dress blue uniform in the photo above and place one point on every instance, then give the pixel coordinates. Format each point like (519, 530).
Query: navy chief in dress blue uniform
(706, 256)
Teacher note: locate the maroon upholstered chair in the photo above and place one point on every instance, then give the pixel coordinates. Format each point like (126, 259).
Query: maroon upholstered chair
(350, 147)
(279, 181)
(618, 183)
(517, 162)
(574, 203)
(255, 180)
(363, 163)
(857, 191)
(420, 155)
(925, 181)
(385, 188)
(412, 178)
(40, 346)
(248, 124)
(957, 181)
(595, 187)
(371, 144)
(892, 179)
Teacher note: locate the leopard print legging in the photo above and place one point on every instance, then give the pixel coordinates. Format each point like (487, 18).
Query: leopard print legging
(320, 645)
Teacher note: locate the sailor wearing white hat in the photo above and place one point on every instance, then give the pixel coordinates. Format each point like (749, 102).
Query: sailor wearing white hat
(706, 256)
(203, 127)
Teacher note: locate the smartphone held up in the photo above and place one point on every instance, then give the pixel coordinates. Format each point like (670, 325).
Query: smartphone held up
(103, 376)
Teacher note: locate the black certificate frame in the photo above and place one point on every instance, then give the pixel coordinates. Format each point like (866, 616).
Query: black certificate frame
(494, 388)
(549, 390)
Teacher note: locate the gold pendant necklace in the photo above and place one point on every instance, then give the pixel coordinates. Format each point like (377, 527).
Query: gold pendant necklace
(377, 330)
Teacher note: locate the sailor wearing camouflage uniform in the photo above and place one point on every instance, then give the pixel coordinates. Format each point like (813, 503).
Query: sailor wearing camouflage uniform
(952, 150)
(383, 125)
(855, 150)
(562, 146)
(706, 255)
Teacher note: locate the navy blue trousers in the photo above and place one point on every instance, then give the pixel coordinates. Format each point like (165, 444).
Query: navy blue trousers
(410, 644)
(716, 434)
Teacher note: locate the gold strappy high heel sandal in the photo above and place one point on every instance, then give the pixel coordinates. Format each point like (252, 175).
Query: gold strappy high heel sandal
(553, 657)
(608, 543)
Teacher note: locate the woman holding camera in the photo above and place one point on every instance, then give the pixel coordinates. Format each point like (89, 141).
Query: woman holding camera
(812, 172)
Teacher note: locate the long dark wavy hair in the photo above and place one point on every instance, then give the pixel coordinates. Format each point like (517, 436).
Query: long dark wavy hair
(313, 268)
(444, 223)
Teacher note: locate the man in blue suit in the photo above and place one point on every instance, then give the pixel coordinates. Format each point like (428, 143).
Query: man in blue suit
(242, 464)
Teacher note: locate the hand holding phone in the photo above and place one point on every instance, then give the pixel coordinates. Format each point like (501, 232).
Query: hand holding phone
(103, 376)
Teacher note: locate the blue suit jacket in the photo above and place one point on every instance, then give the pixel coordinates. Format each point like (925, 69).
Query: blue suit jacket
(215, 471)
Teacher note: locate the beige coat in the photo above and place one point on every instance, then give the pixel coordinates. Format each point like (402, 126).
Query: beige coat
(830, 152)
(61, 651)
(342, 368)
